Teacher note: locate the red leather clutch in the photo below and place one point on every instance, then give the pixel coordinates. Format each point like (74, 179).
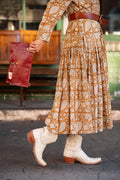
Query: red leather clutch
(20, 63)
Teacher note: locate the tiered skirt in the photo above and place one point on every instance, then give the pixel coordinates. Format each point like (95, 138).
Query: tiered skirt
(82, 101)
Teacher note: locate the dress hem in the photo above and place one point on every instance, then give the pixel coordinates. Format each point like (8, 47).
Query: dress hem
(94, 132)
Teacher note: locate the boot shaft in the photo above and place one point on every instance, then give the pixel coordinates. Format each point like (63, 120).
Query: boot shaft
(45, 135)
(74, 141)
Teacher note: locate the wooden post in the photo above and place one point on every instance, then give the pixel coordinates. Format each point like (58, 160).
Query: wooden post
(21, 96)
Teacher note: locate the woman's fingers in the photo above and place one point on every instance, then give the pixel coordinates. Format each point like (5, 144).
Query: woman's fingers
(35, 46)
(31, 49)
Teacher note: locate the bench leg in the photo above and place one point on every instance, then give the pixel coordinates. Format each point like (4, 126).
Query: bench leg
(25, 93)
(21, 96)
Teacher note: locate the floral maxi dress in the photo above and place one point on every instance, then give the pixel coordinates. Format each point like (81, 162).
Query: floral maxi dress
(82, 100)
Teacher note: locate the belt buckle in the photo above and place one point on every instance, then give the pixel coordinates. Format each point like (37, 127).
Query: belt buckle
(100, 19)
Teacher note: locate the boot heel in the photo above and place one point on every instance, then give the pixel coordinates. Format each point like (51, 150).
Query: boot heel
(30, 137)
(69, 160)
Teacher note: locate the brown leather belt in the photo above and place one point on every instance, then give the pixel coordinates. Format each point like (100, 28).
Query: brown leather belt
(87, 15)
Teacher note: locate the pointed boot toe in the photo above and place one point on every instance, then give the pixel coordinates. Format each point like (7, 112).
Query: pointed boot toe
(74, 152)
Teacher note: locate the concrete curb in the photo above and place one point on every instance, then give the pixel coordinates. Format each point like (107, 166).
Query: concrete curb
(12, 115)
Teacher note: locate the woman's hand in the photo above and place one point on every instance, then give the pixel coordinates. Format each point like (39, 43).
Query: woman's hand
(35, 46)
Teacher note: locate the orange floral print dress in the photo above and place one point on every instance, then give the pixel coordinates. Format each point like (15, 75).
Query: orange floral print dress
(82, 100)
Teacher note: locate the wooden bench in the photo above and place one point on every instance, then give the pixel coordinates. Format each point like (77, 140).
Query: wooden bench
(45, 63)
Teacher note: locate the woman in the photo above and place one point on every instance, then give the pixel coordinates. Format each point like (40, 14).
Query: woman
(82, 101)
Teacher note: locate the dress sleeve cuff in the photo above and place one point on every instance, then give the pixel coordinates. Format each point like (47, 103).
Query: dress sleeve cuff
(45, 36)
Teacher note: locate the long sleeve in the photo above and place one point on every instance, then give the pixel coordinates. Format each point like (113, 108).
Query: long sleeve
(53, 12)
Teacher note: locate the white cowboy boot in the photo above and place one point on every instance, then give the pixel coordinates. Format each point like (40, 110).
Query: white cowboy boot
(74, 152)
(40, 137)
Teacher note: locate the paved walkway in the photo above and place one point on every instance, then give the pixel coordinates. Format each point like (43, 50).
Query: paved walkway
(17, 161)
